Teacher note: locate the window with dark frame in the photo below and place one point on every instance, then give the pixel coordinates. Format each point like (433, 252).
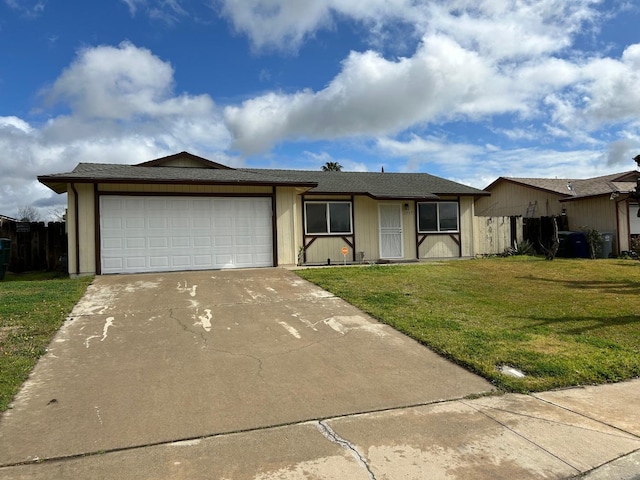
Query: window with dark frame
(328, 218)
(438, 217)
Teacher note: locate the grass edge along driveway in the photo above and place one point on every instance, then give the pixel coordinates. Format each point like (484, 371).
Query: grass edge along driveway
(563, 323)
(32, 309)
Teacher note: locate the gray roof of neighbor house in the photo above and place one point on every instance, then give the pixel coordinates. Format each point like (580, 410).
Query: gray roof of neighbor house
(376, 185)
(575, 188)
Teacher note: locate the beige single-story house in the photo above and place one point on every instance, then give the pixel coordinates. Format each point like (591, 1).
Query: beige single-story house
(184, 212)
(601, 203)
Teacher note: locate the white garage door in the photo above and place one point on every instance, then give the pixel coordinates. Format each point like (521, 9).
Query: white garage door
(157, 234)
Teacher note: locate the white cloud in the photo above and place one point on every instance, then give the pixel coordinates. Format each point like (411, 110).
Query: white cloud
(501, 28)
(375, 96)
(29, 8)
(285, 24)
(121, 108)
(477, 60)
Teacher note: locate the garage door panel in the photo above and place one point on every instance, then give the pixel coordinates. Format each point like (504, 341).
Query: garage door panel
(181, 261)
(158, 242)
(159, 262)
(135, 262)
(179, 222)
(147, 234)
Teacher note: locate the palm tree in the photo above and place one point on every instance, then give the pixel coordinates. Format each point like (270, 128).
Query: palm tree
(332, 167)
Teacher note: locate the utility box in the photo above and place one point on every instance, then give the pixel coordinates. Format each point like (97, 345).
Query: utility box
(5, 256)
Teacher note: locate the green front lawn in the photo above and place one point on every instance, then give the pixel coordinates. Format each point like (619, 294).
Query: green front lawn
(563, 323)
(32, 309)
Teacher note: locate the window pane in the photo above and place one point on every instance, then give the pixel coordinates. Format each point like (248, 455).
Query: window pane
(427, 217)
(340, 218)
(316, 217)
(448, 217)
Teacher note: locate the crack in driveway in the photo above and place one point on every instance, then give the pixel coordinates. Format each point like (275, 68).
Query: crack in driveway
(328, 433)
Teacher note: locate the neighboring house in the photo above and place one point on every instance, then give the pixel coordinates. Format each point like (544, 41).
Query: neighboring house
(183, 212)
(601, 203)
(4, 219)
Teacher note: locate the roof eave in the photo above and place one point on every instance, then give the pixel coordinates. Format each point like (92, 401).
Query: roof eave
(59, 184)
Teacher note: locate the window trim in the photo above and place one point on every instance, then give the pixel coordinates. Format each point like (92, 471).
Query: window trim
(439, 230)
(328, 233)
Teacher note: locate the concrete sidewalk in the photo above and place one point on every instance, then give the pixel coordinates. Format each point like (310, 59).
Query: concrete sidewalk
(553, 435)
(260, 375)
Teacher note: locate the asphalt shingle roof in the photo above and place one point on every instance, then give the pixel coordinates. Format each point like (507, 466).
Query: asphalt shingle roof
(376, 185)
(115, 173)
(582, 187)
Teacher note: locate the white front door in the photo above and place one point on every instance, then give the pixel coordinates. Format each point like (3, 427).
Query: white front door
(391, 241)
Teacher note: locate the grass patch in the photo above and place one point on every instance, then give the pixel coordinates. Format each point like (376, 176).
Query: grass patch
(563, 323)
(33, 306)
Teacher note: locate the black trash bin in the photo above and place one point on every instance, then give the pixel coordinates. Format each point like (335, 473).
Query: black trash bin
(573, 245)
(5, 256)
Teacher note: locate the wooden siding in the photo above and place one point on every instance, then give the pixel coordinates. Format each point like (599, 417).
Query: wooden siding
(594, 213)
(511, 199)
(493, 234)
(623, 237)
(445, 245)
(86, 233)
(367, 239)
(287, 216)
(439, 246)
(467, 213)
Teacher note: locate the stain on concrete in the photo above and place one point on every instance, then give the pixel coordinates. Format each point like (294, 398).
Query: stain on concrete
(290, 329)
(105, 331)
(345, 324)
(185, 289)
(205, 320)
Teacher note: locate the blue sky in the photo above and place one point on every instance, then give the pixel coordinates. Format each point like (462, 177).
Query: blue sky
(465, 89)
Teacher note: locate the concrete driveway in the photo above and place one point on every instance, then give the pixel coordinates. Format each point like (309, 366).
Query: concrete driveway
(180, 358)
(256, 374)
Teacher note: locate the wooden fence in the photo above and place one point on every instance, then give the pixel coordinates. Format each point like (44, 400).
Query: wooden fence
(36, 245)
(494, 235)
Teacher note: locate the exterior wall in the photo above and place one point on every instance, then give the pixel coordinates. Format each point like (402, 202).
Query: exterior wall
(624, 232)
(84, 232)
(86, 227)
(288, 217)
(511, 199)
(444, 245)
(327, 247)
(598, 213)
(367, 233)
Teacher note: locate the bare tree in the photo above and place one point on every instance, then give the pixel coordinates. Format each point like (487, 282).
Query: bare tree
(28, 213)
(56, 214)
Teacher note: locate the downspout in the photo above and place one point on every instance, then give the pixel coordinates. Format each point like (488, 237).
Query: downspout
(76, 219)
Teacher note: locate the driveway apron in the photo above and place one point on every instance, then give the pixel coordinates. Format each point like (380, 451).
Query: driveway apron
(150, 359)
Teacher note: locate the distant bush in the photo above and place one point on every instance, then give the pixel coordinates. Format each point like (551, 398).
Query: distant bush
(594, 240)
(635, 246)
